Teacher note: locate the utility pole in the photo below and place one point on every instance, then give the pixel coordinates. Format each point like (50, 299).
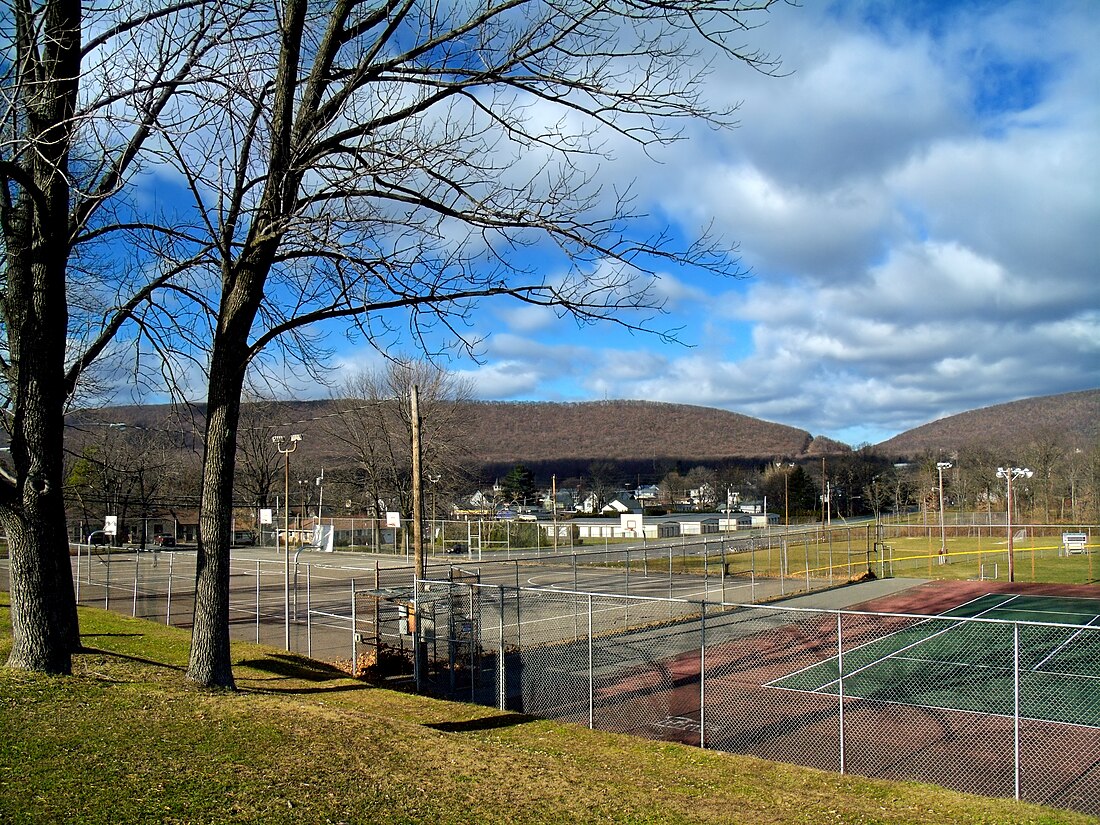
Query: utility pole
(417, 485)
(418, 537)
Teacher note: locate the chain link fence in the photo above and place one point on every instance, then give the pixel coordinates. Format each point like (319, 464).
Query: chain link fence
(994, 707)
(679, 643)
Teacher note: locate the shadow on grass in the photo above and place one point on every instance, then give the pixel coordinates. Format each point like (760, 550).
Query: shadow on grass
(505, 720)
(114, 654)
(283, 667)
(294, 667)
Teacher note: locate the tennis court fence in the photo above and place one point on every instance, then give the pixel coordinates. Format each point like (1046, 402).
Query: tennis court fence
(988, 706)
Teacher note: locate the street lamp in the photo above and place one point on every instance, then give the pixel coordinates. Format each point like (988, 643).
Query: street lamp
(940, 467)
(434, 479)
(1010, 474)
(786, 467)
(291, 443)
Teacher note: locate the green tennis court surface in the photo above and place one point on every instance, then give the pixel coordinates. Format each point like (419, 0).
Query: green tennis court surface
(946, 662)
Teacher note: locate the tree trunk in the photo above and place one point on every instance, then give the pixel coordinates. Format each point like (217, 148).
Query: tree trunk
(211, 662)
(45, 630)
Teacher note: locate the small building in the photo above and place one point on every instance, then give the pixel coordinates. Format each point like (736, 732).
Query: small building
(635, 525)
(698, 524)
(732, 520)
(622, 504)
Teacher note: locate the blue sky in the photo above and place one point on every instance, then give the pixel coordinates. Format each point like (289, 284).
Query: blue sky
(916, 199)
(918, 202)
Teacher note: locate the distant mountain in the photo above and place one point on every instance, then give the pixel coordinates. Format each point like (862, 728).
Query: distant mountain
(1071, 418)
(550, 437)
(509, 432)
(645, 437)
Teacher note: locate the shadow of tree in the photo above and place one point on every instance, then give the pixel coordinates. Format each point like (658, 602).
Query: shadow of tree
(504, 720)
(294, 667)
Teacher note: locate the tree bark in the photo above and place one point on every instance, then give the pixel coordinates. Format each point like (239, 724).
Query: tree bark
(45, 630)
(210, 661)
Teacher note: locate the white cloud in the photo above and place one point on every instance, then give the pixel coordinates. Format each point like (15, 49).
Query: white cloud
(919, 202)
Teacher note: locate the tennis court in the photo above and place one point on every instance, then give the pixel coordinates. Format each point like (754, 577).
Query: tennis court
(979, 657)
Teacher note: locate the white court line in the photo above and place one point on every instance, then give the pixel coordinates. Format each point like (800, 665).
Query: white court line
(956, 621)
(1003, 668)
(1058, 649)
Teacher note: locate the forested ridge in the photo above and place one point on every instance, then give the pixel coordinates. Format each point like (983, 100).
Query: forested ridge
(503, 432)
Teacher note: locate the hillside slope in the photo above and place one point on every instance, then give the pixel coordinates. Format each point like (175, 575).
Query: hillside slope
(1072, 419)
(566, 437)
(506, 433)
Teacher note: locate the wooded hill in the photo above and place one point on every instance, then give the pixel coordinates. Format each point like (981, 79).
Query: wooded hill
(1070, 419)
(642, 436)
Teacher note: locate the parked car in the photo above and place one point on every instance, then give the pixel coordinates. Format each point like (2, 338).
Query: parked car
(164, 541)
(457, 547)
(98, 539)
(244, 538)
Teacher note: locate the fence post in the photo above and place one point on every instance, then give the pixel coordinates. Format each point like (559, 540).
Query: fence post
(503, 667)
(107, 586)
(309, 615)
(257, 601)
(137, 569)
(355, 637)
(723, 571)
(782, 567)
(591, 672)
(168, 607)
(1016, 708)
(840, 681)
(703, 675)
(670, 571)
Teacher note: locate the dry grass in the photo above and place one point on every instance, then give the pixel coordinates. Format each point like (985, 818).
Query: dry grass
(126, 740)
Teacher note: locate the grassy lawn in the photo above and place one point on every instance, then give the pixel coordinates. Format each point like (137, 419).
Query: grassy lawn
(1036, 559)
(125, 740)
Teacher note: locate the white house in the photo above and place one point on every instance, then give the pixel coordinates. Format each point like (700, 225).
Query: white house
(622, 504)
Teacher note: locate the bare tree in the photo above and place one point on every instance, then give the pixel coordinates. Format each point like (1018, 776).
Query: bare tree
(602, 483)
(76, 115)
(259, 466)
(372, 425)
(343, 160)
(362, 158)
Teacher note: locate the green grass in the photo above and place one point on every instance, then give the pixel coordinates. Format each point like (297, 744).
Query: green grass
(1035, 560)
(125, 740)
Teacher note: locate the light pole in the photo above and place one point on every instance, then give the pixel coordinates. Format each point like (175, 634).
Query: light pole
(940, 467)
(291, 442)
(434, 479)
(1010, 474)
(786, 467)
